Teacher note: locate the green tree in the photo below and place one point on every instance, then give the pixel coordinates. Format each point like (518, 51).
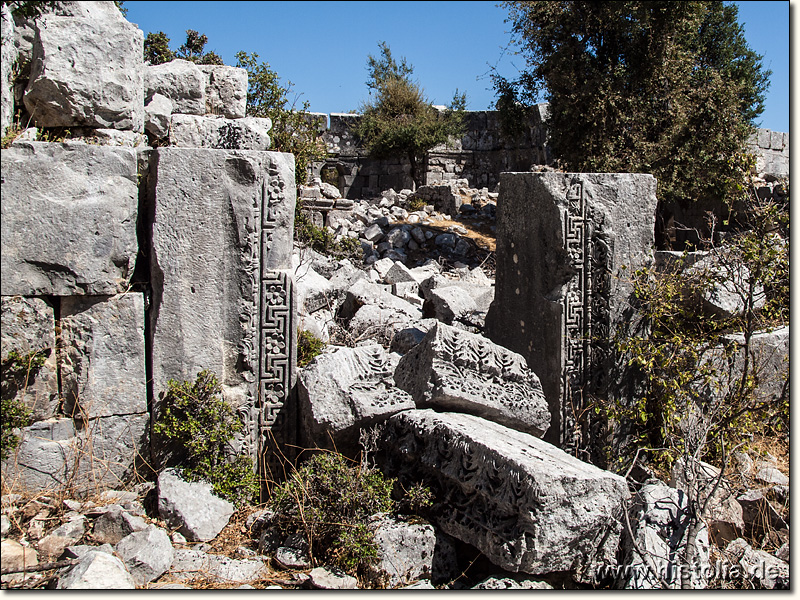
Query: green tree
(400, 121)
(292, 129)
(156, 48)
(668, 88)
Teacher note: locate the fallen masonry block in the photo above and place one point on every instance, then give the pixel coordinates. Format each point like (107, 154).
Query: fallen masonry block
(456, 370)
(528, 506)
(344, 390)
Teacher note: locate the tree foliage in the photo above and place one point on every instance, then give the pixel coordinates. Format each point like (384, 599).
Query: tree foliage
(292, 129)
(668, 88)
(157, 51)
(400, 121)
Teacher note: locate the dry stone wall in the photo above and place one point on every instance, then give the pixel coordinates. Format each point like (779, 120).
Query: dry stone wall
(126, 265)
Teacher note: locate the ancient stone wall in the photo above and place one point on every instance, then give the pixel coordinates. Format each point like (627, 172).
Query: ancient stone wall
(153, 241)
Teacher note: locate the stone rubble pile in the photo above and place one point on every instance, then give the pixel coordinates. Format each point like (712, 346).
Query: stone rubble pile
(390, 227)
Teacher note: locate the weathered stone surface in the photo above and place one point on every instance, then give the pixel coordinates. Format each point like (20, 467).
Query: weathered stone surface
(345, 389)
(102, 369)
(453, 369)
(191, 507)
(662, 528)
(226, 90)
(450, 303)
(190, 564)
(15, 555)
(53, 456)
(146, 554)
(28, 325)
(408, 552)
(158, 116)
(292, 558)
(363, 292)
(69, 214)
(507, 583)
(566, 244)
(405, 339)
(769, 362)
(759, 514)
(87, 71)
(53, 544)
(730, 278)
(331, 578)
(312, 289)
(759, 567)
(179, 80)
(116, 524)
(525, 504)
(190, 131)
(223, 228)
(97, 571)
(371, 322)
(7, 60)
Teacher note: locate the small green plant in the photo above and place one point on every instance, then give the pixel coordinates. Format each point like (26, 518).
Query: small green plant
(17, 372)
(309, 346)
(415, 204)
(329, 501)
(201, 425)
(322, 240)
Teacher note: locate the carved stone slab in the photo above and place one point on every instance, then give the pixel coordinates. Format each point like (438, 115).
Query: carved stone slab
(69, 214)
(452, 369)
(344, 390)
(568, 244)
(222, 295)
(525, 504)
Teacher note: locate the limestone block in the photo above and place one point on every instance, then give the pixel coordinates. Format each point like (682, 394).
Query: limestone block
(456, 370)
(179, 80)
(103, 370)
(226, 90)
(115, 524)
(52, 455)
(450, 303)
(730, 280)
(405, 339)
(69, 214)
(28, 325)
(507, 583)
(408, 552)
(217, 216)
(759, 567)
(190, 131)
(191, 564)
(7, 60)
(158, 116)
(146, 554)
(363, 292)
(345, 389)
(15, 555)
(191, 507)
(661, 522)
(528, 506)
(567, 243)
(97, 571)
(313, 290)
(87, 71)
(53, 544)
(331, 578)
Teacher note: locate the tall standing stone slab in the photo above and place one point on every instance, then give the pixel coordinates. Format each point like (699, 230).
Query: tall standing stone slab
(87, 71)
(69, 214)
(567, 245)
(222, 293)
(8, 58)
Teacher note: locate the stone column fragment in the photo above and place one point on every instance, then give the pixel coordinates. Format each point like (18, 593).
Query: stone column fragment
(567, 246)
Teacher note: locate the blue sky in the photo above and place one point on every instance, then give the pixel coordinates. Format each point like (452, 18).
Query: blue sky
(322, 47)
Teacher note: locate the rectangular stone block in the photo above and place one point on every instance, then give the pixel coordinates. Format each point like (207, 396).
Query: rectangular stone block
(69, 215)
(226, 90)
(28, 336)
(87, 72)
(776, 140)
(222, 297)
(526, 505)
(566, 246)
(191, 131)
(54, 456)
(103, 359)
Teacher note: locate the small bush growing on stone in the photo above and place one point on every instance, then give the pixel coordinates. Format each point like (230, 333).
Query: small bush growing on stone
(17, 371)
(202, 424)
(322, 240)
(415, 204)
(309, 347)
(329, 501)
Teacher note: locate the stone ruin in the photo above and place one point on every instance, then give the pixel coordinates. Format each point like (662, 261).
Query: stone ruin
(157, 241)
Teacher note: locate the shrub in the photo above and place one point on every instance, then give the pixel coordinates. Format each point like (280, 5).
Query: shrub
(329, 500)
(17, 371)
(322, 240)
(309, 347)
(201, 425)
